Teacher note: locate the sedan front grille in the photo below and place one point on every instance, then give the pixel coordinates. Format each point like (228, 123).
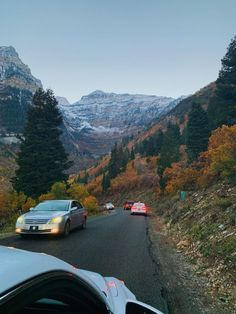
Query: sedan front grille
(36, 221)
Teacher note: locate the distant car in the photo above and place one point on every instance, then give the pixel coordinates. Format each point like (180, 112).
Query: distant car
(39, 283)
(109, 206)
(127, 205)
(52, 217)
(139, 208)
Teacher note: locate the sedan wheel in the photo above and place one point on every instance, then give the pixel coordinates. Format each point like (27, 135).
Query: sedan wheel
(66, 229)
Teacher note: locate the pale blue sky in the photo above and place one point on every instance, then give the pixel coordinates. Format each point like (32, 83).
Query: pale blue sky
(161, 47)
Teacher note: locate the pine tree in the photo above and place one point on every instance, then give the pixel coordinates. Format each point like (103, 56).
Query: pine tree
(42, 159)
(222, 107)
(106, 182)
(132, 154)
(86, 177)
(197, 133)
(125, 156)
(158, 141)
(114, 163)
(169, 152)
(118, 160)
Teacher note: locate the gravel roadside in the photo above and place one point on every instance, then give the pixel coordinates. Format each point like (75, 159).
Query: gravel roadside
(183, 290)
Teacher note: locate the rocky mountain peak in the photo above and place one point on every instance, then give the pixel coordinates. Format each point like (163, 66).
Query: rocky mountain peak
(63, 101)
(8, 52)
(14, 73)
(17, 86)
(97, 93)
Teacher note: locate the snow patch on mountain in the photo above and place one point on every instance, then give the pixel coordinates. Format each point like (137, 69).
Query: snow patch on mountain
(109, 112)
(62, 101)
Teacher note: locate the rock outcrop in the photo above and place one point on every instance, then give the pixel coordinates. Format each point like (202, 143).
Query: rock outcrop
(17, 86)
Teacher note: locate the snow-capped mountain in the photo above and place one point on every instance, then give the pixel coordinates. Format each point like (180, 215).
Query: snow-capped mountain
(101, 112)
(99, 119)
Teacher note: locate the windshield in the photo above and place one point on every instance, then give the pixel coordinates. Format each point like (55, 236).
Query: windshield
(139, 204)
(53, 206)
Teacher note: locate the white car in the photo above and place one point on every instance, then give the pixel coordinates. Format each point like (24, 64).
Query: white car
(139, 208)
(109, 206)
(52, 217)
(39, 283)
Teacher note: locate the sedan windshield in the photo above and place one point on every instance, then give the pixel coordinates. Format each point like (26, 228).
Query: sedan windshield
(53, 206)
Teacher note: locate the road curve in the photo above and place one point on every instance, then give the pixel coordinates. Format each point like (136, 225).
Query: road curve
(113, 245)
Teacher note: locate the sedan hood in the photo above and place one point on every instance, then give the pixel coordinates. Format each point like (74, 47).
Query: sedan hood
(44, 214)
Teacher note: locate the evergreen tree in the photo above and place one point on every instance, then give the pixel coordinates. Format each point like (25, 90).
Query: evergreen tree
(197, 133)
(78, 179)
(106, 182)
(132, 154)
(150, 146)
(118, 160)
(222, 107)
(125, 155)
(158, 141)
(42, 159)
(85, 178)
(114, 163)
(169, 152)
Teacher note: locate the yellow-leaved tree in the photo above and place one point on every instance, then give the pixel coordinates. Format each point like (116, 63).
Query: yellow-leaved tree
(91, 204)
(78, 192)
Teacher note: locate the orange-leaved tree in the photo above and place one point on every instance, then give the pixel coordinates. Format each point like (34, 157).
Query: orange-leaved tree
(91, 204)
(221, 154)
(179, 178)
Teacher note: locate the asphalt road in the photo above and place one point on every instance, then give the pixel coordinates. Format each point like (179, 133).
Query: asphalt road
(113, 245)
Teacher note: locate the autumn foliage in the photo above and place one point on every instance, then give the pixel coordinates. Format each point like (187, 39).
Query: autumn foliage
(219, 161)
(222, 151)
(180, 178)
(78, 192)
(91, 204)
(13, 204)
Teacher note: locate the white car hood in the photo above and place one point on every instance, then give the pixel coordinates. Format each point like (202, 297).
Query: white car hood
(29, 264)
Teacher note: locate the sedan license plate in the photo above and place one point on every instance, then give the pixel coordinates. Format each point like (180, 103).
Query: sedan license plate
(34, 228)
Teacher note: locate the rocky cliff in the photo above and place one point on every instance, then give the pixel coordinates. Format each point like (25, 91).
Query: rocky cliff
(17, 86)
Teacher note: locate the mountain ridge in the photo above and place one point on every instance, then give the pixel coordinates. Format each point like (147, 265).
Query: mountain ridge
(91, 125)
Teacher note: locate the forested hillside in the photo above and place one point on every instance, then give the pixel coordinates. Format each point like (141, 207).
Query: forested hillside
(184, 166)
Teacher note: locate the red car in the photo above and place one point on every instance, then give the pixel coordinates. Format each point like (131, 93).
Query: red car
(139, 208)
(128, 205)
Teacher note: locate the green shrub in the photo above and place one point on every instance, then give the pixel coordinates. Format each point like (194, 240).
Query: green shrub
(226, 247)
(205, 250)
(223, 203)
(202, 232)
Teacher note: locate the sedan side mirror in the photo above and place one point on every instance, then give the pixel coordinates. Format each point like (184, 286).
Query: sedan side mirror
(136, 307)
(31, 208)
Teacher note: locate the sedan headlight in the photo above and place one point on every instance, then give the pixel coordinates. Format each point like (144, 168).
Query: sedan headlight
(20, 220)
(56, 220)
